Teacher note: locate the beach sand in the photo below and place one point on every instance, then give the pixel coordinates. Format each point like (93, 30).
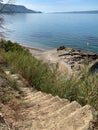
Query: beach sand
(69, 60)
(51, 57)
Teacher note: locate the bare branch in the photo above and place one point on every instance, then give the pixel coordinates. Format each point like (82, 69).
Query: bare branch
(3, 6)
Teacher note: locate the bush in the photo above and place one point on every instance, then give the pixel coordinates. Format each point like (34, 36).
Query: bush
(39, 75)
(9, 46)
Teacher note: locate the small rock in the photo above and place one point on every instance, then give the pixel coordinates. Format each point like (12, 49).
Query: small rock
(2, 118)
(61, 48)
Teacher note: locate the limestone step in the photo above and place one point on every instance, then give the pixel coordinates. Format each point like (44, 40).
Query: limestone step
(33, 95)
(52, 100)
(28, 92)
(44, 103)
(43, 98)
(85, 127)
(56, 116)
(66, 110)
(37, 103)
(35, 98)
(75, 121)
(44, 111)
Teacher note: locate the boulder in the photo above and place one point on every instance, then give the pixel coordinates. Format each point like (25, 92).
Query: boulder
(61, 48)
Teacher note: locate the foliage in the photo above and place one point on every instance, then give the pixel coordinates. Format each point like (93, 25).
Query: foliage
(2, 20)
(8, 90)
(83, 89)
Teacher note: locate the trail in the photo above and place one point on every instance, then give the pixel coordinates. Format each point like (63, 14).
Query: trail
(41, 111)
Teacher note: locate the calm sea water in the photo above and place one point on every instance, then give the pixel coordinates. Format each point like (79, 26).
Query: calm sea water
(48, 31)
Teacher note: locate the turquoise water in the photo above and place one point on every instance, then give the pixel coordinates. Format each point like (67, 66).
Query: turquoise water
(48, 31)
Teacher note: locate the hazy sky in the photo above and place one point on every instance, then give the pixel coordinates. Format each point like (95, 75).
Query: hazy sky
(59, 5)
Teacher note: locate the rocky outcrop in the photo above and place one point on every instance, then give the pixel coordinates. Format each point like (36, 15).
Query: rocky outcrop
(68, 59)
(77, 59)
(61, 48)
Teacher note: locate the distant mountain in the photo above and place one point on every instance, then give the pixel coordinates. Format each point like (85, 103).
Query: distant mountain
(10, 8)
(81, 12)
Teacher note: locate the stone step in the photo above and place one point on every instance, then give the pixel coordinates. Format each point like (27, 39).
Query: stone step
(29, 89)
(33, 95)
(75, 121)
(56, 116)
(66, 110)
(35, 98)
(85, 127)
(49, 102)
(38, 108)
(28, 93)
(36, 104)
(43, 103)
(44, 111)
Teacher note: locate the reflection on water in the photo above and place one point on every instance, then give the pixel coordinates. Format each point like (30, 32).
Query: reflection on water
(52, 30)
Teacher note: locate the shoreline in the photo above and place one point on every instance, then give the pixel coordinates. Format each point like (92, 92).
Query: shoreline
(33, 48)
(21, 44)
(41, 49)
(69, 59)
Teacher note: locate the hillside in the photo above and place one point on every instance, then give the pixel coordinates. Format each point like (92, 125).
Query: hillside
(33, 96)
(10, 8)
(43, 111)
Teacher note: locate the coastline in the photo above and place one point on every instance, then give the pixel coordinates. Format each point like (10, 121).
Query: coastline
(69, 60)
(41, 49)
(33, 48)
(29, 47)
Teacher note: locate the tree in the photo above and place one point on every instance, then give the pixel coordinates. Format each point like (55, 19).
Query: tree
(2, 29)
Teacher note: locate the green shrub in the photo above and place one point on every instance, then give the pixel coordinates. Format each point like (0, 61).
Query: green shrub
(83, 89)
(10, 46)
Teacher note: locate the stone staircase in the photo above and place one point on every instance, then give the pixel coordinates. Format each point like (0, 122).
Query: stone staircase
(43, 111)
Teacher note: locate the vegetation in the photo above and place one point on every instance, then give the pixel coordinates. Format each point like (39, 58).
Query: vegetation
(42, 77)
(9, 91)
(2, 20)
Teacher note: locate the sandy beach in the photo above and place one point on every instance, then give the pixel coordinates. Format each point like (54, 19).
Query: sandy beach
(51, 57)
(68, 59)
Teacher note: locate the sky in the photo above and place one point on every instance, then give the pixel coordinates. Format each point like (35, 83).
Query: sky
(59, 5)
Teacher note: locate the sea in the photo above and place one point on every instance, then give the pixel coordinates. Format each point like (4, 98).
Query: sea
(49, 31)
